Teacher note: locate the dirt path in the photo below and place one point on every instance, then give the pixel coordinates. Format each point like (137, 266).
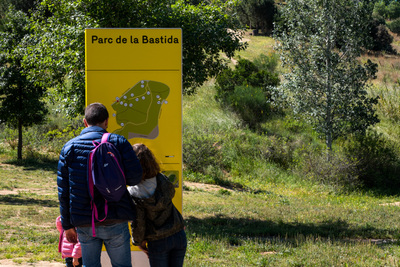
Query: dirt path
(10, 263)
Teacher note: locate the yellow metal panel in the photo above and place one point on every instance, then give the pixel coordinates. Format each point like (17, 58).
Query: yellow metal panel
(137, 75)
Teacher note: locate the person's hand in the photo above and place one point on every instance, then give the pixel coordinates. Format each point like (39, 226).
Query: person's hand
(75, 261)
(71, 235)
(143, 247)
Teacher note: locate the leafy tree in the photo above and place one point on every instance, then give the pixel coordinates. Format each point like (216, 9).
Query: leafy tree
(394, 26)
(20, 99)
(381, 40)
(258, 14)
(325, 80)
(380, 9)
(59, 54)
(393, 10)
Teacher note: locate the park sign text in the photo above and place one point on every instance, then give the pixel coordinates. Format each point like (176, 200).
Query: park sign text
(144, 39)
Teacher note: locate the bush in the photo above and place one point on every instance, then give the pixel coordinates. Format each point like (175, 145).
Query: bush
(381, 38)
(200, 154)
(378, 165)
(247, 88)
(394, 26)
(267, 62)
(250, 103)
(339, 171)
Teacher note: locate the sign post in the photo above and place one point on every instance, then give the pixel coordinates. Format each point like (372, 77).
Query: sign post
(137, 75)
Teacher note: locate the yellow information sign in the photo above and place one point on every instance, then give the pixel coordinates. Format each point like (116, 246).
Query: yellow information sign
(137, 75)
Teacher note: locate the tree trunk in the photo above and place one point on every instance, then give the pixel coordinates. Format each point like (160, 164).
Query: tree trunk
(19, 139)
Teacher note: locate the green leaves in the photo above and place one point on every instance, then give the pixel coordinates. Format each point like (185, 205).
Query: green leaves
(320, 47)
(58, 54)
(21, 103)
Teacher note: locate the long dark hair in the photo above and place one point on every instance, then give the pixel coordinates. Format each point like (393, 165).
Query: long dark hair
(148, 161)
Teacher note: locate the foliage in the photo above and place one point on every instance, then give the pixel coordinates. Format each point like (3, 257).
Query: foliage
(389, 101)
(257, 14)
(325, 81)
(377, 160)
(58, 56)
(393, 10)
(381, 38)
(247, 89)
(380, 9)
(340, 171)
(21, 101)
(394, 26)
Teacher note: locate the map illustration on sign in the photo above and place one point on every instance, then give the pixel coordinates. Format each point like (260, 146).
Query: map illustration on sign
(138, 109)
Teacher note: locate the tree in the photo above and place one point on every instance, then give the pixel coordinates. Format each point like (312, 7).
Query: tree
(380, 9)
(59, 55)
(258, 14)
(20, 99)
(393, 10)
(320, 48)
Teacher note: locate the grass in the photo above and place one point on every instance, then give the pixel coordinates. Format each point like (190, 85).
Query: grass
(275, 224)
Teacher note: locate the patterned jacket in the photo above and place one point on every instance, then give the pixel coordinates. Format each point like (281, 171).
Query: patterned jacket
(157, 217)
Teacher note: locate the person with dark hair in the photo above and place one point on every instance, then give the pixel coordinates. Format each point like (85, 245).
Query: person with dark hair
(159, 228)
(75, 201)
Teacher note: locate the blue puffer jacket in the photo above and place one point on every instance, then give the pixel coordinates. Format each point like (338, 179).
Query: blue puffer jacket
(73, 192)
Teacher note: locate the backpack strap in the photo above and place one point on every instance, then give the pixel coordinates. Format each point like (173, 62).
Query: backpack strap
(93, 206)
(104, 138)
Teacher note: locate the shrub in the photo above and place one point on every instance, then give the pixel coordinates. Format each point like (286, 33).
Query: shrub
(267, 62)
(381, 38)
(200, 152)
(377, 162)
(394, 26)
(250, 103)
(339, 171)
(247, 89)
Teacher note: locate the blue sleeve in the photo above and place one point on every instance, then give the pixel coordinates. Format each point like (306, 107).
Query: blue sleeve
(63, 190)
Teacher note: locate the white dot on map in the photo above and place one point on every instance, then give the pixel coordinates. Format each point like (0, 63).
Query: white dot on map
(143, 97)
(132, 94)
(165, 102)
(130, 104)
(157, 96)
(117, 98)
(142, 81)
(137, 99)
(158, 102)
(124, 96)
(126, 105)
(114, 114)
(142, 85)
(121, 103)
(122, 124)
(148, 92)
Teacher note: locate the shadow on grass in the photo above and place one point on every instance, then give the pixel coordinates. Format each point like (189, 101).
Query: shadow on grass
(26, 201)
(36, 163)
(237, 229)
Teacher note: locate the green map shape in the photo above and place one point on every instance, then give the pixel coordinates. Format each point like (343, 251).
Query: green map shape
(139, 108)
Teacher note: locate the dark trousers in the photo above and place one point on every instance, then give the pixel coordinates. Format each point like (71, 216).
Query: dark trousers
(169, 251)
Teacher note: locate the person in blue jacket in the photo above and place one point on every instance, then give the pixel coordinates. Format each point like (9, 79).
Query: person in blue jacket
(74, 198)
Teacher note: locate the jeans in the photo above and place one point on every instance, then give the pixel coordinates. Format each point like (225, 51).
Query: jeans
(116, 238)
(169, 251)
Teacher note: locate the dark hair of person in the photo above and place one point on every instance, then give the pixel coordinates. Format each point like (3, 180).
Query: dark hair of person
(148, 161)
(95, 114)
